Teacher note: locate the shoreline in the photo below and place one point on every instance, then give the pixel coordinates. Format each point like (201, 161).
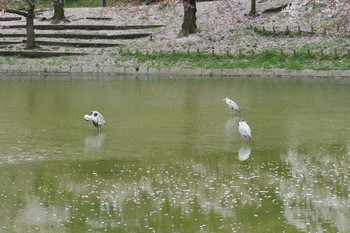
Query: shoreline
(17, 70)
(224, 29)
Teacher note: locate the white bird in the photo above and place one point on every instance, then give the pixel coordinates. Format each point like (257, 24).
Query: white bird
(232, 105)
(96, 118)
(244, 129)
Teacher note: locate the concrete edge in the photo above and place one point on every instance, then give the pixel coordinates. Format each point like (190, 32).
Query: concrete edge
(121, 71)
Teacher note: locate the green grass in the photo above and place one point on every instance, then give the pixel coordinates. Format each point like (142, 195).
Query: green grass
(73, 3)
(82, 3)
(319, 6)
(269, 59)
(277, 32)
(79, 3)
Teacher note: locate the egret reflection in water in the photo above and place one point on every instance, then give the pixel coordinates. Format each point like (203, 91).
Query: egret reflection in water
(94, 142)
(244, 152)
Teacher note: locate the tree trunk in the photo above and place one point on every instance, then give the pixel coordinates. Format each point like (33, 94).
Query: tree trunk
(30, 29)
(252, 8)
(29, 15)
(189, 25)
(58, 7)
(104, 3)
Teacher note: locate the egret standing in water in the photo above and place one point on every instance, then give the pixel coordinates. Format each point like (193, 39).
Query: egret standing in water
(244, 129)
(96, 118)
(232, 105)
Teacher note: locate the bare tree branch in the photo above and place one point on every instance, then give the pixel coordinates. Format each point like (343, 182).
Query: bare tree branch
(22, 13)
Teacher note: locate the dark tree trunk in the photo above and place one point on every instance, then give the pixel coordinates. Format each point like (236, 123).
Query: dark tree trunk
(30, 29)
(252, 8)
(104, 3)
(58, 7)
(189, 25)
(29, 15)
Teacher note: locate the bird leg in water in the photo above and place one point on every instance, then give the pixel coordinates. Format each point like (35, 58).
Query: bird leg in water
(98, 129)
(244, 140)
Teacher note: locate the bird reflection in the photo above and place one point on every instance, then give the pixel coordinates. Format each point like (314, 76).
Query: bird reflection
(94, 142)
(244, 152)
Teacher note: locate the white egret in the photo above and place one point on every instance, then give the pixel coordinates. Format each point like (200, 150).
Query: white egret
(96, 118)
(232, 105)
(244, 129)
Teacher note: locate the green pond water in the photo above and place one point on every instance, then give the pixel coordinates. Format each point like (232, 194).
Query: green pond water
(170, 158)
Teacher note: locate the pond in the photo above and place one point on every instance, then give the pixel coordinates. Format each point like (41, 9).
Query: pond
(170, 158)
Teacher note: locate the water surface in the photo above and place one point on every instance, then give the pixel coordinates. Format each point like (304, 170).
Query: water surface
(170, 158)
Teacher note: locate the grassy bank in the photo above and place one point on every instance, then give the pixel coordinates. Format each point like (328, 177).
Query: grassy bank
(270, 41)
(268, 59)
